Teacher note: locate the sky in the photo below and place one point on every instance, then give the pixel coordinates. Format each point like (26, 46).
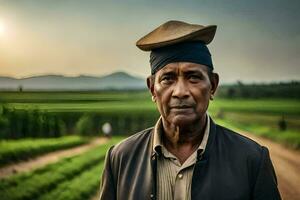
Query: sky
(256, 41)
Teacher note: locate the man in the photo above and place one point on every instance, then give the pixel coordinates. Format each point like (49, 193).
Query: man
(186, 155)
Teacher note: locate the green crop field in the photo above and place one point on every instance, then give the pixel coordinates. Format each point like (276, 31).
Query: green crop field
(33, 123)
(61, 180)
(261, 106)
(261, 117)
(12, 151)
(80, 112)
(124, 101)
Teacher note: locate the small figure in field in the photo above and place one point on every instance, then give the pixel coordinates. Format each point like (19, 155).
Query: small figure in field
(186, 155)
(107, 129)
(282, 124)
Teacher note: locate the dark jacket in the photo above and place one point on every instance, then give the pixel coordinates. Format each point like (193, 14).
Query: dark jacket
(232, 167)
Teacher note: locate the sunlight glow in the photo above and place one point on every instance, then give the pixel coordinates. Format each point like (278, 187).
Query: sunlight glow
(2, 27)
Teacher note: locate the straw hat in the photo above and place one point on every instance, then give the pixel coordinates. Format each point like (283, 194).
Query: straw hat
(173, 32)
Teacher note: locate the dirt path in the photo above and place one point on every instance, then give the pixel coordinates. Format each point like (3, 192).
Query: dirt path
(48, 158)
(287, 166)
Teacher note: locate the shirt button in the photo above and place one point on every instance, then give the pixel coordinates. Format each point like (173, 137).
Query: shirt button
(180, 176)
(151, 196)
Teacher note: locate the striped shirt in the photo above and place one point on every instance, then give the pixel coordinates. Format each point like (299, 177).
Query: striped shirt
(174, 179)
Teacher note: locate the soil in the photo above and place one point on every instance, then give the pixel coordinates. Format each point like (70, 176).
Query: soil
(45, 159)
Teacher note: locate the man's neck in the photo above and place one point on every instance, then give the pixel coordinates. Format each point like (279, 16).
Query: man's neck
(183, 141)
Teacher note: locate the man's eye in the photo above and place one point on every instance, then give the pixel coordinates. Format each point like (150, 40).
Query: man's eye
(167, 79)
(194, 77)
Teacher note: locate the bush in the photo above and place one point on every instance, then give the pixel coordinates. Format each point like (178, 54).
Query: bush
(85, 125)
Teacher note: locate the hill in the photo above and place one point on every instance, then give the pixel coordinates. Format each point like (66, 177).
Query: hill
(114, 81)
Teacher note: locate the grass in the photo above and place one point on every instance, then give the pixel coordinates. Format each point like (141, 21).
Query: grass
(262, 106)
(59, 97)
(261, 117)
(86, 106)
(12, 151)
(74, 189)
(289, 137)
(130, 101)
(33, 184)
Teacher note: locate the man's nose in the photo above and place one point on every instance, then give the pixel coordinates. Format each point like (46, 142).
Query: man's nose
(181, 89)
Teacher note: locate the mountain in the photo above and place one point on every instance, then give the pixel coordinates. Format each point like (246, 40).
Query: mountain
(114, 81)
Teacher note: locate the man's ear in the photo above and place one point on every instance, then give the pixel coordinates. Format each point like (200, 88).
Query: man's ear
(150, 85)
(214, 82)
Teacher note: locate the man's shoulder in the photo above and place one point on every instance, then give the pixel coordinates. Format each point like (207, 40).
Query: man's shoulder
(237, 142)
(132, 143)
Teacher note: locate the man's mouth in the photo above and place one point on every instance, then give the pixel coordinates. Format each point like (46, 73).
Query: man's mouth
(181, 107)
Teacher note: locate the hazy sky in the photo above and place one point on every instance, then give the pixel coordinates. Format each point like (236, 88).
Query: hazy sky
(257, 40)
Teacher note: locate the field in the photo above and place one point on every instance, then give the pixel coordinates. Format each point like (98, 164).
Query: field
(61, 180)
(278, 120)
(35, 123)
(12, 151)
(128, 112)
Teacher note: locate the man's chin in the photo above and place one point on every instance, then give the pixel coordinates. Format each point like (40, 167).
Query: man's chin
(183, 120)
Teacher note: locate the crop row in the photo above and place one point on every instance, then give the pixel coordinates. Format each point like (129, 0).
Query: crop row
(262, 106)
(82, 187)
(38, 124)
(48, 119)
(102, 103)
(35, 183)
(63, 96)
(12, 151)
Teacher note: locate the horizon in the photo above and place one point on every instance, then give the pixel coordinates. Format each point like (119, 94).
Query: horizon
(257, 41)
(140, 77)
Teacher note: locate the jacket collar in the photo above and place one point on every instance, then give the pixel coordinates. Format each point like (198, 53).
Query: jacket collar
(157, 145)
(210, 142)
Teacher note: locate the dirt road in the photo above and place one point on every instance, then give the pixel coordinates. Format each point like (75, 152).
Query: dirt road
(47, 158)
(287, 166)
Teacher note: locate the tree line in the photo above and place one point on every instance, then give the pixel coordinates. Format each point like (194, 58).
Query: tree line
(290, 90)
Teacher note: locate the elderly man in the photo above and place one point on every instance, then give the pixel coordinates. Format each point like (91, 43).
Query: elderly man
(186, 155)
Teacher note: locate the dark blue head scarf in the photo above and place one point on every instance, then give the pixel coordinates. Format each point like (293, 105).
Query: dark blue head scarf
(195, 52)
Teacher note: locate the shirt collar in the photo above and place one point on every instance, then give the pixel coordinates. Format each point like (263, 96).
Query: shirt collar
(159, 147)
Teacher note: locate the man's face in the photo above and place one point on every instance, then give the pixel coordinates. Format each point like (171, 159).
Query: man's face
(182, 91)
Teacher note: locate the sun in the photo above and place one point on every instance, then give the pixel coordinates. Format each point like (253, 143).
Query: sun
(2, 27)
